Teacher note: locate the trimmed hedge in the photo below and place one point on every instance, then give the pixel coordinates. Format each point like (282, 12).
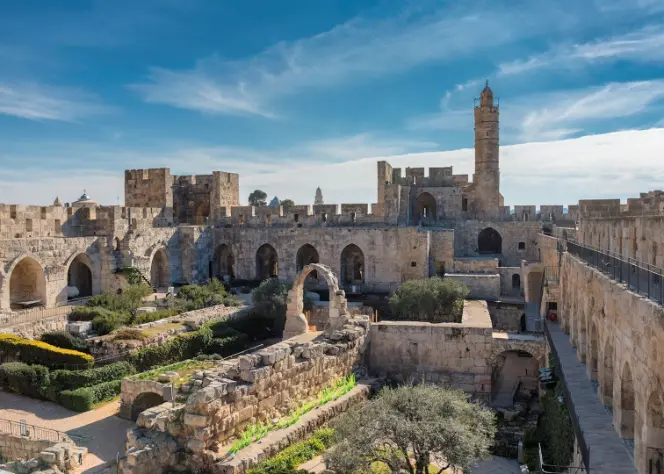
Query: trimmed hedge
(85, 398)
(65, 340)
(87, 313)
(186, 346)
(71, 380)
(155, 316)
(24, 379)
(287, 460)
(36, 352)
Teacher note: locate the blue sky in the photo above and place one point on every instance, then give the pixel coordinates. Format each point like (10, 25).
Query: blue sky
(299, 94)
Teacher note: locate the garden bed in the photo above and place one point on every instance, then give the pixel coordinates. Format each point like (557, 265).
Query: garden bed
(277, 440)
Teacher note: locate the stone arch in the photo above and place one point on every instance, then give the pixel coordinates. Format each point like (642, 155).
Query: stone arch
(516, 281)
(627, 403)
(224, 262)
(352, 265)
(653, 436)
(489, 241)
(582, 339)
(593, 351)
(144, 401)
(425, 207)
(160, 269)
(267, 262)
(606, 381)
(510, 369)
(296, 323)
(25, 281)
(80, 275)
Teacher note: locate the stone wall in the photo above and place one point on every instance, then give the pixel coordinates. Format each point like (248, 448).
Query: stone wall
(18, 447)
(479, 286)
(219, 403)
(475, 265)
(35, 329)
(505, 316)
(509, 284)
(619, 335)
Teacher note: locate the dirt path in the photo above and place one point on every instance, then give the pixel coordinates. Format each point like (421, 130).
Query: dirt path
(103, 433)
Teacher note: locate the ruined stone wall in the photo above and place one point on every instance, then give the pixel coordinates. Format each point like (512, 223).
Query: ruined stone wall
(512, 232)
(505, 316)
(619, 335)
(479, 286)
(222, 401)
(389, 253)
(19, 447)
(638, 237)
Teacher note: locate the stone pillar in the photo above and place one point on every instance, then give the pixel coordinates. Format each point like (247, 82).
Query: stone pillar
(296, 323)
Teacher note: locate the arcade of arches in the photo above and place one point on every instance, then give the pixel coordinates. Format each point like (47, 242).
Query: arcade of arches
(267, 262)
(27, 284)
(306, 255)
(352, 265)
(160, 270)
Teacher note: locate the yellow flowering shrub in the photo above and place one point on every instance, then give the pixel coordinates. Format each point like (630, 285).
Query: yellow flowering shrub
(15, 348)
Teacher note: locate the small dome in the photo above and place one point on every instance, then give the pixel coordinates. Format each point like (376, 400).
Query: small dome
(85, 201)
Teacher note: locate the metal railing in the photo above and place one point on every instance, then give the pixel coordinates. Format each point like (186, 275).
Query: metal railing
(573, 415)
(551, 275)
(24, 430)
(642, 278)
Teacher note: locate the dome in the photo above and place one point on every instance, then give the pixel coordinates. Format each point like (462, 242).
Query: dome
(85, 201)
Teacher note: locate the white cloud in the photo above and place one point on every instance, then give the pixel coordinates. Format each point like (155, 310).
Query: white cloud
(619, 164)
(40, 102)
(353, 51)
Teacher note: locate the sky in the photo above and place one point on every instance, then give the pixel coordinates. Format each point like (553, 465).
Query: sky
(298, 94)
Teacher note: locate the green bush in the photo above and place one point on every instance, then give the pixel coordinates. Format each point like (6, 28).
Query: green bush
(30, 380)
(128, 301)
(269, 301)
(287, 460)
(155, 316)
(37, 352)
(65, 340)
(226, 346)
(195, 297)
(185, 346)
(85, 399)
(129, 334)
(87, 313)
(430, 299)
(106, 323)
(71, 379)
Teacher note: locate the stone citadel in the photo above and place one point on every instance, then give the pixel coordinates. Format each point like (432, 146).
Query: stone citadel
(525, 263)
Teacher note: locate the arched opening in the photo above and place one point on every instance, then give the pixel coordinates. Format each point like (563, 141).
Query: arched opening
(516, 281)
(582, 340)
(523, 324)
(79, 276)
(627, 403)
(654, 435)
(224, 263)
(352, 265)
(425, 207)
(306, 255)
(489, 242)
(546, 230)
(593, 352)
(514, 375)
(144, 401)
(267, 265)
(607, 377)
(27, 284)
(160, 270)
(116, 244)
(201, 212)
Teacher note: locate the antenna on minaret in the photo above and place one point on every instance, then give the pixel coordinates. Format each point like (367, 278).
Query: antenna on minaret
(487, 82)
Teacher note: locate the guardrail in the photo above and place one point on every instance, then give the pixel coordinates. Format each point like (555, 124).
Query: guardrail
(24, 430)
(38, 314)
(578, 432)
(640, 277)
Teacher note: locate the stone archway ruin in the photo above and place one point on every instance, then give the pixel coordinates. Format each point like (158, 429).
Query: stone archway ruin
(425, 207)
(79, 275)
(160, 272)
(296, 323)
(27, 284)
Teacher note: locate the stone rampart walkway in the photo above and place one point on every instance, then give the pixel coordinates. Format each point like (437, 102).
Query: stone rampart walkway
(608, 454)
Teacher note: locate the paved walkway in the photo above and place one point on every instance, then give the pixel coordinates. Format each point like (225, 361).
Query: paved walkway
(103, 433)
(608, 453)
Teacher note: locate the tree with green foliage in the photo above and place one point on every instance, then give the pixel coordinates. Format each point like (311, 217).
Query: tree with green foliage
(269, 301)
(258, 198)
(287, 204)
(409, 429)
(430, 299)
(128, 301)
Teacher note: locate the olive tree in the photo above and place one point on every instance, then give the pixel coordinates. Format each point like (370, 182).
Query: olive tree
(411, 428)
(429, 299)
(258, 198)
(287, 204)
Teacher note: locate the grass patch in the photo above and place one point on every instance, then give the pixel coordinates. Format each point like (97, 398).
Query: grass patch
(257, 431)
(182, 368)
(155, 331)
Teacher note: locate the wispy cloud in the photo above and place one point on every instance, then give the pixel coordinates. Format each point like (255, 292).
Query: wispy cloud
(40, 102)
(354, 51)
(557, 114)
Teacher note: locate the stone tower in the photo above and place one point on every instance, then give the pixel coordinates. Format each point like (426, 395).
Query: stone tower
(486, 179)
(319, 197)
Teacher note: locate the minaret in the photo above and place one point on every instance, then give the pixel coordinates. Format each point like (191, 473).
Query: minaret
(319, 197)
(487, 160)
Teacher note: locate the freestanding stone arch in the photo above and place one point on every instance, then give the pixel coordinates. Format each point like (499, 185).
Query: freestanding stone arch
(296, 323)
